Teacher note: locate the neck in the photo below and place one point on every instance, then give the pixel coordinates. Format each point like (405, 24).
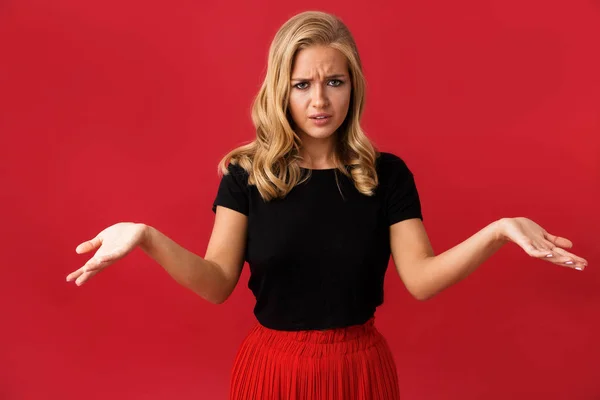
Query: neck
(317, 153)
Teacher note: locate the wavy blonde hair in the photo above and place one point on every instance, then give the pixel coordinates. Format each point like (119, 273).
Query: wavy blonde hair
(271, 160)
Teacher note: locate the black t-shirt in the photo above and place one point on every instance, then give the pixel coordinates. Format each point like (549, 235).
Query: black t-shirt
(317, 259)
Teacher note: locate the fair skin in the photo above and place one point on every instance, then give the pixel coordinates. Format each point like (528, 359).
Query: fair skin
(320, 85)
(214, 276)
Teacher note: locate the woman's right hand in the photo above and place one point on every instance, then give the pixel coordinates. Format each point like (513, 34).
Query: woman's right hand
(113, 243)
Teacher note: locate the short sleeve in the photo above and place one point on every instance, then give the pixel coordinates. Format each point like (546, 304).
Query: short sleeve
(233, 190)
(402, 197)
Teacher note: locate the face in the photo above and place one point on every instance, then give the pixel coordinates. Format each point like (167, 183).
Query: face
(320, 92)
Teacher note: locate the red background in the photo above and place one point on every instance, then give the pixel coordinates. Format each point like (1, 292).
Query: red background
(120, 110)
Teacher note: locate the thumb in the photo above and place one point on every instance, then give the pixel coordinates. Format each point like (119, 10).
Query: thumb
(559, 241)
(88, 245)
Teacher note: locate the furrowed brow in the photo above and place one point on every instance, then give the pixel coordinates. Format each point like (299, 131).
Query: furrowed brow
(336, 76)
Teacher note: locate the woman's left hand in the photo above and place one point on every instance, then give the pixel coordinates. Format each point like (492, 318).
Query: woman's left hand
(538, 243)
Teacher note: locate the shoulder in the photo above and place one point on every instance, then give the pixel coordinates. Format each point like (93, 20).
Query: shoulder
(235, 174)
(391, 164)
(236, 170)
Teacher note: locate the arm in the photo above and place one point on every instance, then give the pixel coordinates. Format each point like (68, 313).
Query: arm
(213, 277)
(426, 274)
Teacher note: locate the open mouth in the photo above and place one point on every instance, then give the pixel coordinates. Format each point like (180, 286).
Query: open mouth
(320, 120)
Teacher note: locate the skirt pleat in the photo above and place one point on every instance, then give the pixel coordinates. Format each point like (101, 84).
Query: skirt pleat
(338, 364)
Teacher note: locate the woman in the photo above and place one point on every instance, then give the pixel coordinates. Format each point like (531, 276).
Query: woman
(316, 211)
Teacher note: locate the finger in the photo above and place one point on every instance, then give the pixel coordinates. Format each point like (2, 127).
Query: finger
(545, 246)
(96, 263)
(556, 250)
(74, 275)
(85, 277)
(564, 259)
(89, 245)
(558, 241)
(576, 260)
(536, 250)
(560, 259)
(555, 254)
(548, 247)
(82, 278)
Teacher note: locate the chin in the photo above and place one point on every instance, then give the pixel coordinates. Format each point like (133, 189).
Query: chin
(319, 133)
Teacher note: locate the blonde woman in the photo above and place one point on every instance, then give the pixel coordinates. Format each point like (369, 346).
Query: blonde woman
(316, 211)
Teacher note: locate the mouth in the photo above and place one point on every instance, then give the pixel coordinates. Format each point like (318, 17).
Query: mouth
(319, 116)
(320, 120)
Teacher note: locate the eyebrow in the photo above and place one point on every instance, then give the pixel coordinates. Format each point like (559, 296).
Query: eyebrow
(336, 76)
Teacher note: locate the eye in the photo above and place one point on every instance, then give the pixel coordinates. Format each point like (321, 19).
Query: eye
(300, 85)
(336, 82)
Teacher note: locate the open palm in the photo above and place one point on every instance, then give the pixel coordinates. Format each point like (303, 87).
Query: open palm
(112, 244)
(537, 242)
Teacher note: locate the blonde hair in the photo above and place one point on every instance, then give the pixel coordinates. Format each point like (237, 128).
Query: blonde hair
(271, 160)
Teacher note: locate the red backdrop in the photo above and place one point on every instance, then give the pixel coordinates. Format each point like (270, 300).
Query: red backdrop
(120, 110)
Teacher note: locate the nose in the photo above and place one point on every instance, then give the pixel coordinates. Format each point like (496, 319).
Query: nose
(320, 99)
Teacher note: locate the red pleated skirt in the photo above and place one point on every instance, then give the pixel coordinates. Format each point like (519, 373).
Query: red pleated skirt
(353, 363)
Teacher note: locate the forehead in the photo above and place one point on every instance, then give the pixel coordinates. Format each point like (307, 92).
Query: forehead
(321, 59)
